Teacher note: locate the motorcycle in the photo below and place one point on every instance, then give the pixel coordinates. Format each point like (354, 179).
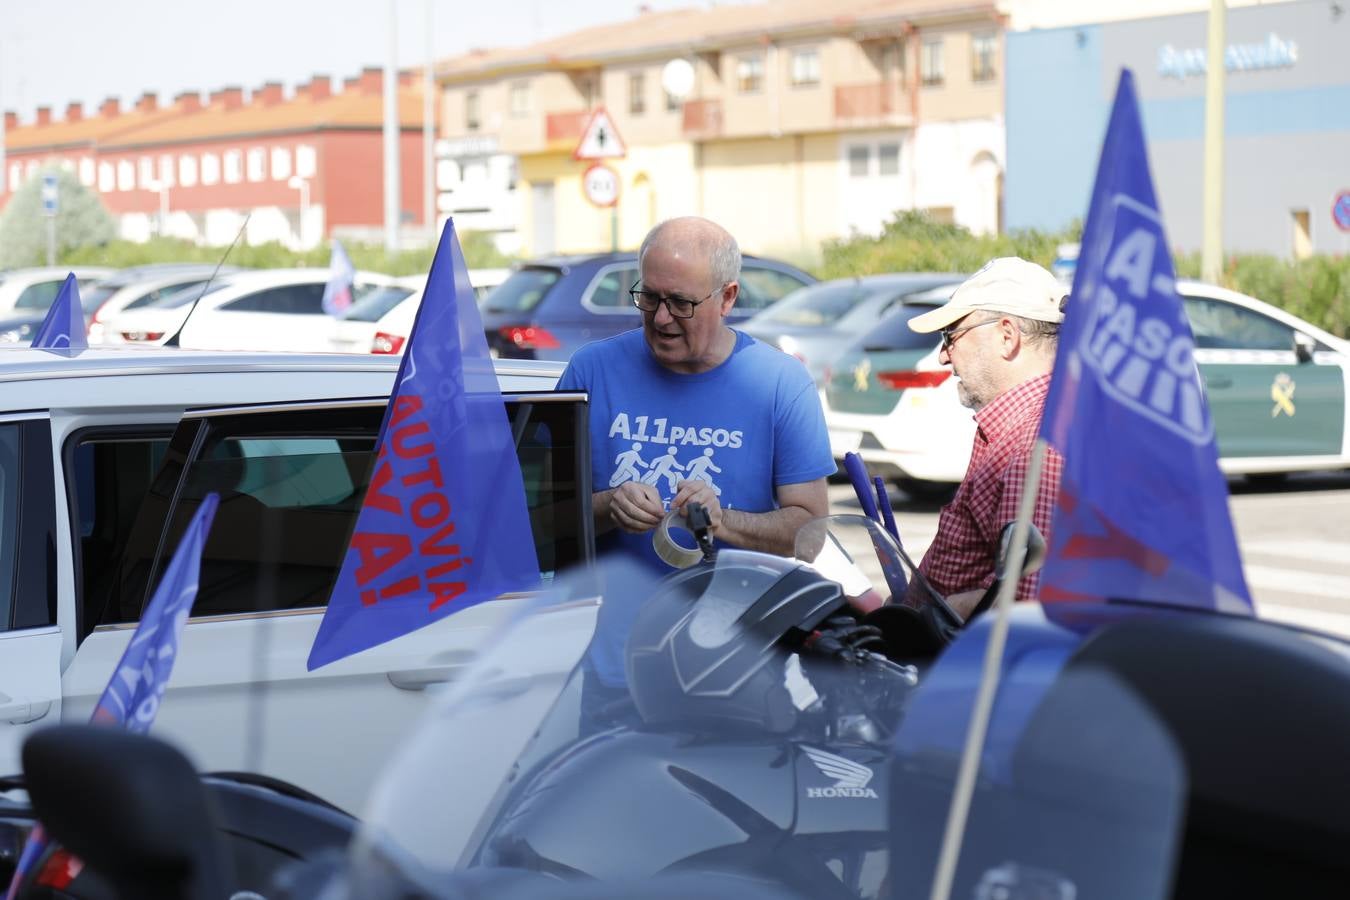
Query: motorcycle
(751, 750)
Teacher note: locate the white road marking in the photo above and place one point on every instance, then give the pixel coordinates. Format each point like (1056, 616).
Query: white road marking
(1298, 581)
(1333, 623)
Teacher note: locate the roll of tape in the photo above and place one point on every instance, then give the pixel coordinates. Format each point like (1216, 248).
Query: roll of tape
(676, 555)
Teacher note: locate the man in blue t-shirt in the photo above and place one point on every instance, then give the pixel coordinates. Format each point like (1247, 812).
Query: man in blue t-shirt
(685, 409)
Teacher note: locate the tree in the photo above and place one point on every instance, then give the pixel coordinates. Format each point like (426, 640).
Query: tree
(81, 220)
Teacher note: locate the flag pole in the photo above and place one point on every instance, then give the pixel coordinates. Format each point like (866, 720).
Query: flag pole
(964, 791)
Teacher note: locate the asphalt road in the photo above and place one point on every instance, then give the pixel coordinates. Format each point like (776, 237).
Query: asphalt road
(1294, 537)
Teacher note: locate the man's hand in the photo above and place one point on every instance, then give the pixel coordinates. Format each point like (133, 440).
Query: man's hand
(636, 507)
(698, 492)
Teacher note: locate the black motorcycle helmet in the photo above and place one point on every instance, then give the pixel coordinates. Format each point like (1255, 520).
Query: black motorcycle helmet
(712, 644)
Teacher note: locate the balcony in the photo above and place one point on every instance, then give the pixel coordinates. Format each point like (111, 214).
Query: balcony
(702, 119)
(565, 128)
(873, 103)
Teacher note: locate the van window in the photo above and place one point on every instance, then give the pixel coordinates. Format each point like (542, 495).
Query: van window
(27, 526)
(291, 485)
(523, 290)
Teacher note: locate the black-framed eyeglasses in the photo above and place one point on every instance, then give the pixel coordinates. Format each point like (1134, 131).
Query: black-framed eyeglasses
(949, 335)
(679, 307)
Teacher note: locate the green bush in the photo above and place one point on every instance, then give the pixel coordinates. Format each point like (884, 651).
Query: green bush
(81, 221)
(1316, 289)
(479, 252)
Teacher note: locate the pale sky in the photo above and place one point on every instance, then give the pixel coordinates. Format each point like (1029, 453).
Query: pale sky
(53, 52)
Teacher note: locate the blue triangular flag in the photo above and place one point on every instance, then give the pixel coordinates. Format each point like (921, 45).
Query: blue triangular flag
(133, 694)
(1143, 507)
(63, 329)
(444, 524)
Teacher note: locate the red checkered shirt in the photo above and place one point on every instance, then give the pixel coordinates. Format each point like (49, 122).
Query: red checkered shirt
(961, 557)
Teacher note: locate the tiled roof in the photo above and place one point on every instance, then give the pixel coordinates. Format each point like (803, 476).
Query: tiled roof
(699, 28)
(352, 108)
(357, 107)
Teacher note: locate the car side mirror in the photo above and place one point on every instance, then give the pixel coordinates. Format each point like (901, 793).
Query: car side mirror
(1304, 345)
(130, 806)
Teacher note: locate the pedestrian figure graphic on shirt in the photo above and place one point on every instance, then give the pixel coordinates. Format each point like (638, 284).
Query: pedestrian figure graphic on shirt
(664, 467)
(698, 470)
(626, 466)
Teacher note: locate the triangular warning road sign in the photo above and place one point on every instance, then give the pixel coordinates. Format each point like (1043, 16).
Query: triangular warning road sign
(600, 139)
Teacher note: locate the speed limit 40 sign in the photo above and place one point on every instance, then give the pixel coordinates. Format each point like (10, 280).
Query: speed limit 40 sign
(601, 184)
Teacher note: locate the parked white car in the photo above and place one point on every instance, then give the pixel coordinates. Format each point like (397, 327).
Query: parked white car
(364, 332)
(29, 290)
(273, 309)
(1278, 390)
(134, 288)
(353, 331)
(104, 456)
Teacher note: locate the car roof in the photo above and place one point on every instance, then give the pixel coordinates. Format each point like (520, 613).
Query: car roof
(891, 280)
(22, 364)
(159, 271)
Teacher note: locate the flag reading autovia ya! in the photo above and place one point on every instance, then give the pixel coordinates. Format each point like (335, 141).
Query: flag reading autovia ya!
(444, 523)
(63, 328)
(131, 699)
(1143, 508)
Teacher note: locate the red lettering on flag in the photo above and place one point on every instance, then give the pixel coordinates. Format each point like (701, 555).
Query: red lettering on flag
(403, 437)
(405, 406)
(379, 553)
(375, 495)
(443, 592)
(432, 546)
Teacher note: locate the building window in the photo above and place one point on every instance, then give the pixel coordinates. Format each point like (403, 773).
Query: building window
(472, 113)
(16, 176)
(166, 171)
(31, 169)
(210, 168)
(187, 170)
(637, 93)
(520, 99)
(888, 159)
(234, 166)
(673, 103)
(859, 161)
(107, 178)
(126, 175)
(750, 74)
(805, 68)
(930, 64)
(982, 49)
(146, 165)
(306, 162)
(281, 163)
(87, 172)
(257, 164)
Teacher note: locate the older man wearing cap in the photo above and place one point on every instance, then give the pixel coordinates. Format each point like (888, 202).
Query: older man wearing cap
(999, 333)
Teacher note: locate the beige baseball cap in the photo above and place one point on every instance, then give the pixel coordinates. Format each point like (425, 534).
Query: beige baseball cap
(1008, 284)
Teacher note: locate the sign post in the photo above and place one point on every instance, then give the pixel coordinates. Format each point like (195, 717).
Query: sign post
(600, 140)
(51, 202)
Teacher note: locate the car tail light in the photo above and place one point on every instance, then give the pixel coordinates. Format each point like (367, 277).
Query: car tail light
(385, 342)
(142, 335)
(529, 337)
(59, 870)
(899, 381)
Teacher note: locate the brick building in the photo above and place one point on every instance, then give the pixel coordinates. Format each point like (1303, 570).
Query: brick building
(303, 167)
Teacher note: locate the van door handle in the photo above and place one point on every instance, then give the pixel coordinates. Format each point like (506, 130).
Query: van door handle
(1220, 382)
(20, 712)
(418, 679)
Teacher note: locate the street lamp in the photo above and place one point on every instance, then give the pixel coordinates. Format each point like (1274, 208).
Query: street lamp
(301, 185)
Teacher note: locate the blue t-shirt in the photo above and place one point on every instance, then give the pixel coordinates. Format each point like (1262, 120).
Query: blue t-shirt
(749, 425)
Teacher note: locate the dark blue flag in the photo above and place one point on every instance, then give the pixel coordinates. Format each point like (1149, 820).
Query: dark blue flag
(444, 524)
(63, 329)
(137, 685)
(1143, 508)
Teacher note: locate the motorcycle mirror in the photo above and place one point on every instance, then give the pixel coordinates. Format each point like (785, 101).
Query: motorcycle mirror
(130, 806)
(1035, 555)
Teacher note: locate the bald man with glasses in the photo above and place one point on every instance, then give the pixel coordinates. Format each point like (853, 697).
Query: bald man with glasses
(1000, 330)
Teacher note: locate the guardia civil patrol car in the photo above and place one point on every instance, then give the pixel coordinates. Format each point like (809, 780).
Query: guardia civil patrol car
(104, 457)
(1277, 388)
